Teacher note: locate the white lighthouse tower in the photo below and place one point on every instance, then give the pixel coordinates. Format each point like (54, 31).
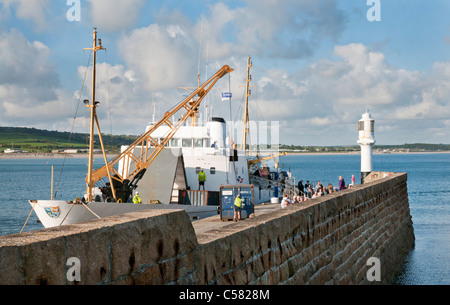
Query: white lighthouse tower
(366, 139)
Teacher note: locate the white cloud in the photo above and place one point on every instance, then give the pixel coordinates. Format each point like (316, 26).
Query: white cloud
(165, 54)
(30, 91)
(30, 10)
(313, 99)
(162, 57)
(114, 15)
(123, 99)
(331, 96)
(289, 29)
(25, 63)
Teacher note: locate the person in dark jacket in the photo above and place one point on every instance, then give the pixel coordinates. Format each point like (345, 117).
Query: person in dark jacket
(301, 189)
(341, 183)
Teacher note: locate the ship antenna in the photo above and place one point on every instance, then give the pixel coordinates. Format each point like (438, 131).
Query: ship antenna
(246, 130)
(92, 104)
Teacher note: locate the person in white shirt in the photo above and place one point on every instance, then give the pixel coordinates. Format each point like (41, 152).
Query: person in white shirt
(285, 202)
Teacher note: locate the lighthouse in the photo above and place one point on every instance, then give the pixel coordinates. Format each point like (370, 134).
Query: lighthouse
(366, 140)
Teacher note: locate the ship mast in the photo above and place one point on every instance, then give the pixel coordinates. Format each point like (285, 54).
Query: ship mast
(96, 46)
(246, 127)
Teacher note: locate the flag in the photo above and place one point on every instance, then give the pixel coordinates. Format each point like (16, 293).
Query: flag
(226, 96)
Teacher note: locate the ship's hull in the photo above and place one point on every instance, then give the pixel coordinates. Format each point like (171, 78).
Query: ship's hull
(53, 213)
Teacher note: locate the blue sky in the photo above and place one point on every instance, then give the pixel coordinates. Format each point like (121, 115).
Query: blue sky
(317, 65)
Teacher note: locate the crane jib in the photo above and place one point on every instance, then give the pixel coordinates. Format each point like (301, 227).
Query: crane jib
(125, 181)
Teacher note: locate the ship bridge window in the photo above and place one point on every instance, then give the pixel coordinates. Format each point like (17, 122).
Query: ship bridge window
(372, 126)
(198, 142)
(162, 140)
(187, 143)
(174, 142)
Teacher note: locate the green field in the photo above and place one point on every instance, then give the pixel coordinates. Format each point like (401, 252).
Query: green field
(35, 140)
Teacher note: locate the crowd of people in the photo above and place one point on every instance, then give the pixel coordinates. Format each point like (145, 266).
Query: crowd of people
(308, 191)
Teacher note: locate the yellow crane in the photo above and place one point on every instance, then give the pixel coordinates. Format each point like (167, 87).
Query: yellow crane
(123, 182)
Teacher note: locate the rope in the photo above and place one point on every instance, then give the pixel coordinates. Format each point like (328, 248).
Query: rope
(73, 125)
(109, 100)
(91, 211)
(71, 210)
(67, 214)
(32, 209)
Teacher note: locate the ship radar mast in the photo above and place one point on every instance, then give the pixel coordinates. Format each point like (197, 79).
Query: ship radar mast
(246, 128)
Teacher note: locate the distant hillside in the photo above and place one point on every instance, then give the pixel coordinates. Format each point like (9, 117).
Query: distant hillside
(36, 140)
(417, 147)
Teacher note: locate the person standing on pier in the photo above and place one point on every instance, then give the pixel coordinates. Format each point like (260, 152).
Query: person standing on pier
(137, 199)
(237, 208)
(275, 191)
(301, 189)
(341, 183)
(307, 185)
(201, 179)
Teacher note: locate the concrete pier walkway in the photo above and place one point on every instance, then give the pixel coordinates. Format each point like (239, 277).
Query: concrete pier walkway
(213, 224)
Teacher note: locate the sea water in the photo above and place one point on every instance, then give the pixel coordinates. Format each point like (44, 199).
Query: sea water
(31, 179)
(429, 199)
(428, 189)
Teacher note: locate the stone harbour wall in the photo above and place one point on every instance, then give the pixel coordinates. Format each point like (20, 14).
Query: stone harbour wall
(328, 240)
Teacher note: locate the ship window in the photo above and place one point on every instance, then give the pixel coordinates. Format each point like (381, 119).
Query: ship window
(162, 140)
(174, 143)
(198, 143)
(197, 170)
(187, 143)
(372, 126)
(212, 170)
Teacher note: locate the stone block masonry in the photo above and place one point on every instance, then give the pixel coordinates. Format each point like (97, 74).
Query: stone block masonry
(329, 240)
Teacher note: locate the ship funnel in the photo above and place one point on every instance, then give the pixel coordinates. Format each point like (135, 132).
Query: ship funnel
(217, 132)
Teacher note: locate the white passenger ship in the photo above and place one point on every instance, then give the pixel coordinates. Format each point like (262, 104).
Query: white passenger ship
(162, 165)
(197, 148)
